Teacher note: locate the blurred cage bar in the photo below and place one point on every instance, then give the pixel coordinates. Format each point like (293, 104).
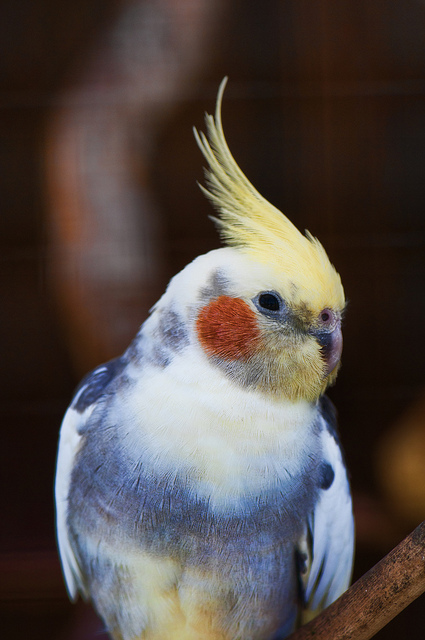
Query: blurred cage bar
(325, 113)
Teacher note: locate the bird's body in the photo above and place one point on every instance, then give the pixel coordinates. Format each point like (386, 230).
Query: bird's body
(201, 491)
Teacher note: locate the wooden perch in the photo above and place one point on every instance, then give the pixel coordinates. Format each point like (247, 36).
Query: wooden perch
(376, 598)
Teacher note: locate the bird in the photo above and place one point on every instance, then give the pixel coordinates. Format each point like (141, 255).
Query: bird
(201, 488)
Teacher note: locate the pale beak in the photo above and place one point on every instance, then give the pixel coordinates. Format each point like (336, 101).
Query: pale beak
(331, 347)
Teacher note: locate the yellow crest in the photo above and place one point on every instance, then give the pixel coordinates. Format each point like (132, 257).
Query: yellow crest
(249, 222)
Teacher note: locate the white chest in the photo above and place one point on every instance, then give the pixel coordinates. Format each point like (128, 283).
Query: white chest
(231, 441)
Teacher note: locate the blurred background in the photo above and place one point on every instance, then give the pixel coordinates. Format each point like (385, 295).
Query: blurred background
(99, 207)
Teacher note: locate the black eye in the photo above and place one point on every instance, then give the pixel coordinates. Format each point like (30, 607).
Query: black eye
(327, 316)
(269, 301)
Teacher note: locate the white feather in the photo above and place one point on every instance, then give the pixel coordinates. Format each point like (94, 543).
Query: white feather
(332, 528)
(69, 444)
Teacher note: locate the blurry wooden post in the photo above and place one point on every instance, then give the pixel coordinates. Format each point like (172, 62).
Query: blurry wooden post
(376, 598)
(103, 228)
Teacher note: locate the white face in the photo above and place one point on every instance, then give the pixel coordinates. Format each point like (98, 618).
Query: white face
(247, 324)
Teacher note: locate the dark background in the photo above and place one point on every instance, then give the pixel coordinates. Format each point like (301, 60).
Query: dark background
(325, 113)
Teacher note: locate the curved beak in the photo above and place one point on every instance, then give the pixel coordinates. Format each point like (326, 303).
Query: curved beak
(330, 346)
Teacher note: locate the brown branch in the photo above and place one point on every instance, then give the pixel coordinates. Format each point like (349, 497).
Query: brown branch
(376, 598)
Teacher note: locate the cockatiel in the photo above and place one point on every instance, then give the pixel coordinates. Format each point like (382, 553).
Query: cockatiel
(201, 492)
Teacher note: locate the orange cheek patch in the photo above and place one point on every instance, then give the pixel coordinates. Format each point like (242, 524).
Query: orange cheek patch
(228, 328)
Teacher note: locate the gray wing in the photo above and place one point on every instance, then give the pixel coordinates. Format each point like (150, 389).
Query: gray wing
(329, 541)
(89, 393)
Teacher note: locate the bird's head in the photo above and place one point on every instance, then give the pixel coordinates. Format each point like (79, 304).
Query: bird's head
(269, 305)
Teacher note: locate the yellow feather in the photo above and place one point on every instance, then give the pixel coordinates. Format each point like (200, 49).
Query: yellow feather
(249, 222)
